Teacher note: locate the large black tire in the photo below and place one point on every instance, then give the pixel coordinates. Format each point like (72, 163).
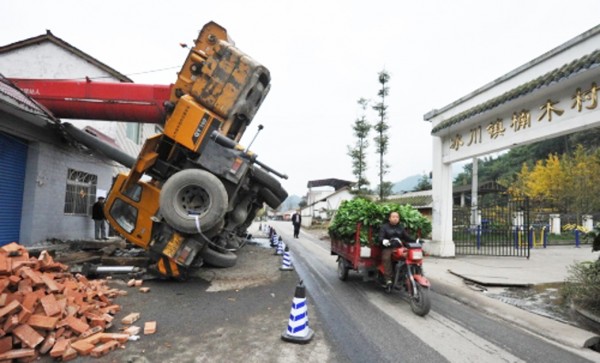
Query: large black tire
(270, 198)
(342, 270)
(420, 303)
(196, 191)
(218, 258)
(265, 179)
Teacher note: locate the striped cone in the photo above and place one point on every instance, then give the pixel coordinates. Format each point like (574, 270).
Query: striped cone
(298, 330)
(286, 264)
(274, 240)
(279, 250)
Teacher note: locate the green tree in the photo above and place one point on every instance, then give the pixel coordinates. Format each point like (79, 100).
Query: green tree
(358, 153)
(382, 138)
(423, 184)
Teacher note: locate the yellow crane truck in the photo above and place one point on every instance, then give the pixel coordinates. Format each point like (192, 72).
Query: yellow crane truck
(192, 192)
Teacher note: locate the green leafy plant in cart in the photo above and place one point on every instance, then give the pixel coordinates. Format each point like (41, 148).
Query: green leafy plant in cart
(372, 214)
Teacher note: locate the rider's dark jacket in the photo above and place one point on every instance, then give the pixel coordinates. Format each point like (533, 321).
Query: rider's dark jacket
(389, 231)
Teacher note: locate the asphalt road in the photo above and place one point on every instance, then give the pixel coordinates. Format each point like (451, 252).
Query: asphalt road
(238, 315)
(363, 324)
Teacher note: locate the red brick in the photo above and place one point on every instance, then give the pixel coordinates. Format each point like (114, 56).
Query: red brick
(48, 343)
(69, 354)
(17, 353)
(105, 348)
(45, 259)
(98, 321)
(82, 279)
(30, 301)
(121, 338)
(25, 286)
(3, 299)
(150, 327)
(4, 282)
(24, 315)
(28, 335)
(50, 305)
(50, 283)
(30, 359)
(11, 323)
(5, 344)
(18, 263)
(5, 267)
(130, 319)
(76, 325)
(13, 307)
(14, 247)
(36, 277)
(43, 322)
(90, 332)
(82, 347)
(132, 330)
(59, 347)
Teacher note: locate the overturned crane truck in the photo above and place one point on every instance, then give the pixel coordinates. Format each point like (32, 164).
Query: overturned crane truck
(201, 189)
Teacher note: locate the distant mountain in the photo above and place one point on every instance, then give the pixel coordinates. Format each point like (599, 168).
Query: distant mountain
(406, 184)
(291, 202)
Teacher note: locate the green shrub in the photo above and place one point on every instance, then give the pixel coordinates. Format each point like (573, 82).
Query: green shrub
(583, 285)
(359, 210)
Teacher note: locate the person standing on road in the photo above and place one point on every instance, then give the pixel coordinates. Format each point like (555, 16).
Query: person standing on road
(99, 219)
(296, 220)
(392, 229)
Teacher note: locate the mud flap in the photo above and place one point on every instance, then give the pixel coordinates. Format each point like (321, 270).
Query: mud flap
(422, 280)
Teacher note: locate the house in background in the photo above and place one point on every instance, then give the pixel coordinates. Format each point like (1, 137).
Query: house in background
(324, 201)
(48, 183)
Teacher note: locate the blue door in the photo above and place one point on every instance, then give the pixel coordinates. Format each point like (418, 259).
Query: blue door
(13, 157)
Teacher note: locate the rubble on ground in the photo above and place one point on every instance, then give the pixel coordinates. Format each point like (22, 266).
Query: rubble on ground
(45, 309)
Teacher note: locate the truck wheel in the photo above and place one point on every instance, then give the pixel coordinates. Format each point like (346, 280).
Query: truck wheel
(270, 198)
(265, 179)
(217, 258)
(193, 192)
(342, 270)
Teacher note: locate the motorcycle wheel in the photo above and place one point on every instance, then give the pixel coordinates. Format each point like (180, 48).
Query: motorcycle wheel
(342, 270)
(420, 303)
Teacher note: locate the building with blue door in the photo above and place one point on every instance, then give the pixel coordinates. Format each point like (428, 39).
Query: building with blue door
(48, 181)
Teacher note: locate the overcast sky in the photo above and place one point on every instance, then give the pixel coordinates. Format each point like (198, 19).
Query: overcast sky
(323, 56)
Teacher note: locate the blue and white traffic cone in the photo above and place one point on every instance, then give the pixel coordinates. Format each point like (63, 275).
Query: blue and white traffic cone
(286, 264)
(280, 245)
(274, 240)
(298, 330)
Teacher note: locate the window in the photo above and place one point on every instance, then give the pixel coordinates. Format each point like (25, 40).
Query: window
(125, 215)
(81, 193)
(133, 132)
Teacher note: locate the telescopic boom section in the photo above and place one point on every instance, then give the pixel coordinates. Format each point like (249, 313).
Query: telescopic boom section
(89, 100)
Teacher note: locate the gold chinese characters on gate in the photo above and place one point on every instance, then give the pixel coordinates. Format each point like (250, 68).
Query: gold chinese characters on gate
(521, 120)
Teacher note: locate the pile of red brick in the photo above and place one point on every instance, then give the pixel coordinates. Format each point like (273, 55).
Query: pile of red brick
(44, 309)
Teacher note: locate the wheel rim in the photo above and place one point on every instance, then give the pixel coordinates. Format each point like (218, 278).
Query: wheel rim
(192, 199)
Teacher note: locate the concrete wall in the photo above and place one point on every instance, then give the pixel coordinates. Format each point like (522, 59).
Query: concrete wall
(45, 189)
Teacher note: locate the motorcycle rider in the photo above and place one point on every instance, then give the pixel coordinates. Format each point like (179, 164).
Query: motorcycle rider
(392, 229)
